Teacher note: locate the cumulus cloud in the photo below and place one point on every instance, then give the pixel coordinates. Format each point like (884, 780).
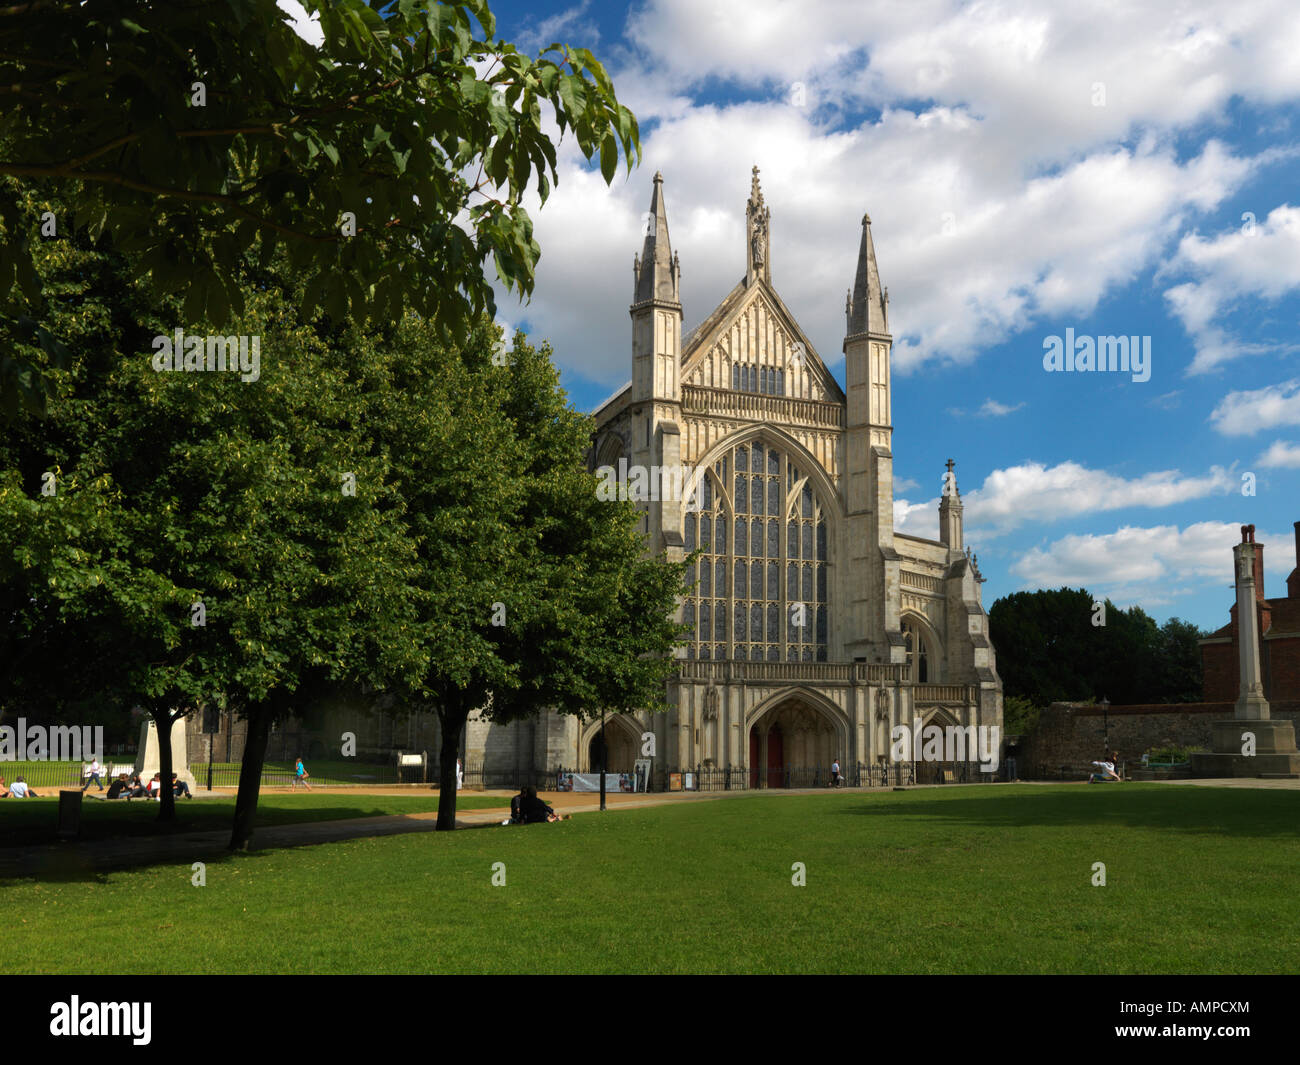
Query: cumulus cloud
(1281, 453)
(1245, 413)
(1257, 261)
(1142, 563)
(916, 519)
(969, 133)
(1035, 492)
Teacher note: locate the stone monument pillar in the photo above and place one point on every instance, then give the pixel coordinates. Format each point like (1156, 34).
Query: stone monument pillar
(147, 760)
(1251, 744)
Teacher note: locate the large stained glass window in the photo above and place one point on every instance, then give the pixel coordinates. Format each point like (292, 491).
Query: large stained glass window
(759, 589)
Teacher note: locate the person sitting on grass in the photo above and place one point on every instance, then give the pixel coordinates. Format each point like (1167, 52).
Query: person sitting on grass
(119, 788)
(179, 787)
(155, 787)
(1107, 772)
(516, 807)
(136, 789)
(4, 789)
(20, 790)
(537, 812)
(300, 775)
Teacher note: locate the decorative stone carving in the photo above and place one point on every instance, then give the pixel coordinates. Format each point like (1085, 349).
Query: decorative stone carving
(758, 241)
(711, 703)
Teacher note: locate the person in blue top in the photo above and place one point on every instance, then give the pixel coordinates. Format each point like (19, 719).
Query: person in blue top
(300, 775)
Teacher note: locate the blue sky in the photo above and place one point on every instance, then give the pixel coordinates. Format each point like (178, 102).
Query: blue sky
(1029, 168)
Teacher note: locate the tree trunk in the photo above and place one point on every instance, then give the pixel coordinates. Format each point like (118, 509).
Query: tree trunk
(250, 780)
(452, 719)
(163, 721)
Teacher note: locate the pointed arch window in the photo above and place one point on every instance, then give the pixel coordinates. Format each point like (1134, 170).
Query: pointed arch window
(760, 594)
(918, 652)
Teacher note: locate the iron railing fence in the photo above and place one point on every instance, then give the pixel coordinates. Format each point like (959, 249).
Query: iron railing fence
(742, 778)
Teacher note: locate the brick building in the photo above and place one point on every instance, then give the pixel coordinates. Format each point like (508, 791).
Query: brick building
(1279, 624)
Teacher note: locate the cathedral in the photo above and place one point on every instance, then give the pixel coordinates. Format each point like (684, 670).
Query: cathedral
(815, 628)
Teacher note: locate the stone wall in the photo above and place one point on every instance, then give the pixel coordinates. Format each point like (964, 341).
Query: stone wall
(1071, 734)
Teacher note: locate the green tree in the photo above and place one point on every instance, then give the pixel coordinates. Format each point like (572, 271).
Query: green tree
(1049, 650)
(390, 161)
(199, 542)
(1182, 670)
(536, 593)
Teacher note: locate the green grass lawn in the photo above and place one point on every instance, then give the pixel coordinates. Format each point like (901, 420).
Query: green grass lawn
(29, 821)
(976, 879)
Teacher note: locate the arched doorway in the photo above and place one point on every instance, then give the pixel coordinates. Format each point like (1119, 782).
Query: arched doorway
(621, 737)
(929, 769)
(793, 744)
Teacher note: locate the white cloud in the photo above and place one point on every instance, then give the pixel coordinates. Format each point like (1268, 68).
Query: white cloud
(1248, 412)
(994, 409)
(1281, 453)
(568, 22)
(306, 28)
(1137, 563)
(1034, 492)
(910, 517)
(1003, 200)
(1259, 259)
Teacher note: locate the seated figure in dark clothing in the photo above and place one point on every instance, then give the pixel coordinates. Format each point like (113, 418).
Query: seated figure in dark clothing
(516, 803)
(119, 788)
(536, 812)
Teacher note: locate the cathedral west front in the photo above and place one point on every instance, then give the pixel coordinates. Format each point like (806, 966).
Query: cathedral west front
(815, 629)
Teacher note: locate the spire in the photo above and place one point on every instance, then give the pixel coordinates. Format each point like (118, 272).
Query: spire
(950, 514)
(758, 260)
(868, 310)
(950, 482)
(657, 270)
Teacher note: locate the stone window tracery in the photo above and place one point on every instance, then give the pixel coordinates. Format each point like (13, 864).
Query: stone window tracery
(759, 589)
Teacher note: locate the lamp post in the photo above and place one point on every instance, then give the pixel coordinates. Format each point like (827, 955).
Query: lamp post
(604, 759)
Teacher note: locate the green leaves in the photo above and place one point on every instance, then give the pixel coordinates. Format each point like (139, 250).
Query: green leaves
(393, 119)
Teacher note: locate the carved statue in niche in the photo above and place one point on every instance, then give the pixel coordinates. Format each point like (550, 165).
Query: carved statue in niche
(711, 703)
(758, 240)
(882, 705)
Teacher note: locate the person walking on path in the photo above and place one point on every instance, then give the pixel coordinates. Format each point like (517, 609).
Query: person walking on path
(92, 772)
(460, 775)
(835, 773)
(300, 775)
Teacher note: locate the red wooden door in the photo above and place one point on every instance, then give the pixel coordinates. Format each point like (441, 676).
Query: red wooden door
(775, 760)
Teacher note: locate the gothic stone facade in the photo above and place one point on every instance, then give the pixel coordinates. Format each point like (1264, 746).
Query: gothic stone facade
(816, 627)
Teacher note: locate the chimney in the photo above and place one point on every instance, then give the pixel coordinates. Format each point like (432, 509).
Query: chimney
(1293, 581)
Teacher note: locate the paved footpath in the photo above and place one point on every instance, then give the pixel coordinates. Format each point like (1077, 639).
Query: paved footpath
(71, 860)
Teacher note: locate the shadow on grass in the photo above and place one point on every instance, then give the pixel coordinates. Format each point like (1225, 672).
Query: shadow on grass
(1242, 812)
(202, 839)
(72, 866)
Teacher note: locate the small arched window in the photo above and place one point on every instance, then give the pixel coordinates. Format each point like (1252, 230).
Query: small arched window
(918, 652)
